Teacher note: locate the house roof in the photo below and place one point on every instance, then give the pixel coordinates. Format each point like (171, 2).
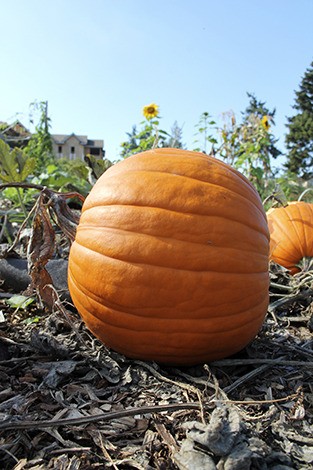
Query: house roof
(61, 139)
(15, 133)
(95, 143)
(16, 128)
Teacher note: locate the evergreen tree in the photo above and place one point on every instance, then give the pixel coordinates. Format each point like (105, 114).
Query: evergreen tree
(130, 146)
(175, 138)
(259, 109)
(299, 139)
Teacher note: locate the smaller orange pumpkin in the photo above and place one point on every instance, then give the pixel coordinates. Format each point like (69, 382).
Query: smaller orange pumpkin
(291, 231)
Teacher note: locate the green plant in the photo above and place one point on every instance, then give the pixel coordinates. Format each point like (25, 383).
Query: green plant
(204, 138)
(150, 135)
(246, 147)
(20, 302)
(65, 175)
(15, 167)
(39, 146)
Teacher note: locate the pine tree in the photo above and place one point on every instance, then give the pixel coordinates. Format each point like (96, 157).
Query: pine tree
(175, 138)
(259, 109)
(299, 139)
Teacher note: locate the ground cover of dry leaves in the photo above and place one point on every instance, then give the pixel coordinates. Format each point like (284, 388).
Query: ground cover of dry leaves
(66, 402)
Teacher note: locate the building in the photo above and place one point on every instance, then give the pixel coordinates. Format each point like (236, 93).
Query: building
(15, 135)
(76, 146)
(68, 146)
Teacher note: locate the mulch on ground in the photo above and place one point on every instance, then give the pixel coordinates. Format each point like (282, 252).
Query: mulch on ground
(66, 402)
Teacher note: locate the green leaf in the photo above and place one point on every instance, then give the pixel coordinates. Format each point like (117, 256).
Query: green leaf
(20, 301)
(15, 166)
(258, 172)
(29, 321)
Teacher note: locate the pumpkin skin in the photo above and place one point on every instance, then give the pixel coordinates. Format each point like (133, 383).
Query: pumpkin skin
(170, 260)
(291, 232)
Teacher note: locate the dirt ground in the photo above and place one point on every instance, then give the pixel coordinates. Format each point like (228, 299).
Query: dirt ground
(66, 402)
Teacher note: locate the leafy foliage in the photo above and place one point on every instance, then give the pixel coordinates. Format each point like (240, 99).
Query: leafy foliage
(15, 165)
(299, 139)
(39, 146)
(34, 166)
(249, 145)
(20, 301)
(146, 138)
(259, 109)
(204, 126)
(150, 136)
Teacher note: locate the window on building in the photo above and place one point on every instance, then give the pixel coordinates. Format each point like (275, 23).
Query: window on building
(95, 151)
(60, 149)
(72, 154)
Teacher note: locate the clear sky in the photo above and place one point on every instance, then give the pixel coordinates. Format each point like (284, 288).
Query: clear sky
(98, 62)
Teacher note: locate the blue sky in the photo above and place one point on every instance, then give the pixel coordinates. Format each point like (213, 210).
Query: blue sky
(98, 62)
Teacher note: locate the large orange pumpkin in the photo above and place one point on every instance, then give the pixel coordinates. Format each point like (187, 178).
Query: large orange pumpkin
(291, 230)
(170, 260)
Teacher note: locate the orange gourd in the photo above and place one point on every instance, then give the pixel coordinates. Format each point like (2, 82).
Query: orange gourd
(291, 231)
(170, 260)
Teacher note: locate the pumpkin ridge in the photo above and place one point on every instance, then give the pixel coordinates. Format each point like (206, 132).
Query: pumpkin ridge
(185, 227)
(294, 224)
(102, 229)
(245, 223)
(225, 168)
(285, 250)
(285, 232)
(306, 250)
(182, 321)
(154, 265)
(200, 180)
(186, 354)
(130, 311)
(237, 196)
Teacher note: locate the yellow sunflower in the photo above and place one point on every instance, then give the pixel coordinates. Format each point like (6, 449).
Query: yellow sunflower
(265, 122)
(150, 111)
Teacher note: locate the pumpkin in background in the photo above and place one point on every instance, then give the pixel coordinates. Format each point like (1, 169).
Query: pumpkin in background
(291, 231)
(170, 260)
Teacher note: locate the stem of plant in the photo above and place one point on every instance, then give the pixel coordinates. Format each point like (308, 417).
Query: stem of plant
(21, 202)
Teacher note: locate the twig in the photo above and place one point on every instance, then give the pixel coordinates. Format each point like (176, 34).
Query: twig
(61, 309)
(4, 223)
(13, 424)
(303, 193)
(66, 450)
(273, 362)
(245, 378)
(281, 286)
(24, 223)
(44, 424)
(184, 386)
(40, 187)
(105, 452)
(288, 299)
(16, 360)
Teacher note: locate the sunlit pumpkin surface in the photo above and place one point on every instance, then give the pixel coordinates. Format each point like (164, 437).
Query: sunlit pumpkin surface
(170, 260)
(291, 230)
